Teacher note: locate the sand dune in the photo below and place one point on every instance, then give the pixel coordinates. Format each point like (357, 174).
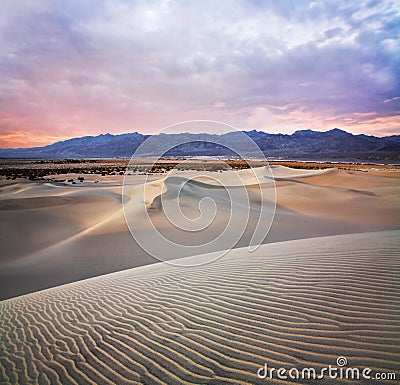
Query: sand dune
(54, 233)
(291, 304)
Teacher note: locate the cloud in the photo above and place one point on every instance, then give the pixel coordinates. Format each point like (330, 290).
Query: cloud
(82, 67)
(14, 139)
(391, 99)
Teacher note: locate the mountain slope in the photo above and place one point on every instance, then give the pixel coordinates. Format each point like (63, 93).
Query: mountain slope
(306, 144)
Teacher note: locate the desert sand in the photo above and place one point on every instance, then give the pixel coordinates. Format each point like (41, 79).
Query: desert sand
(55, 233)
(292, 304)
(324, 285)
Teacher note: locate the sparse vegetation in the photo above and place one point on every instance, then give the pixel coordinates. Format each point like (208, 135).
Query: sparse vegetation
(38, 170)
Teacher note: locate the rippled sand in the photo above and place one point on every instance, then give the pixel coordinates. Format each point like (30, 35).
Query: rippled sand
(296, 304)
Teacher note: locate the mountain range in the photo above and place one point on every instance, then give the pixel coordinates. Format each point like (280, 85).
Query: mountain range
(335, 145)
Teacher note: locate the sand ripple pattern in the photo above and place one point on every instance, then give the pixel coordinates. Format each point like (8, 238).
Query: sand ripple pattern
(290, 304)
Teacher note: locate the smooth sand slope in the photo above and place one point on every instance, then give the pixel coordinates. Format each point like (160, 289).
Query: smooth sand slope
(54, 233)
(300, 303)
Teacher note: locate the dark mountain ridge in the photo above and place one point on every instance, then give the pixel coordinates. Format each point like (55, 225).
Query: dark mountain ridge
(335, 144)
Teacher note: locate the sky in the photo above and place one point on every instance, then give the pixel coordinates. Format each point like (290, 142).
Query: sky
(75, 68)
